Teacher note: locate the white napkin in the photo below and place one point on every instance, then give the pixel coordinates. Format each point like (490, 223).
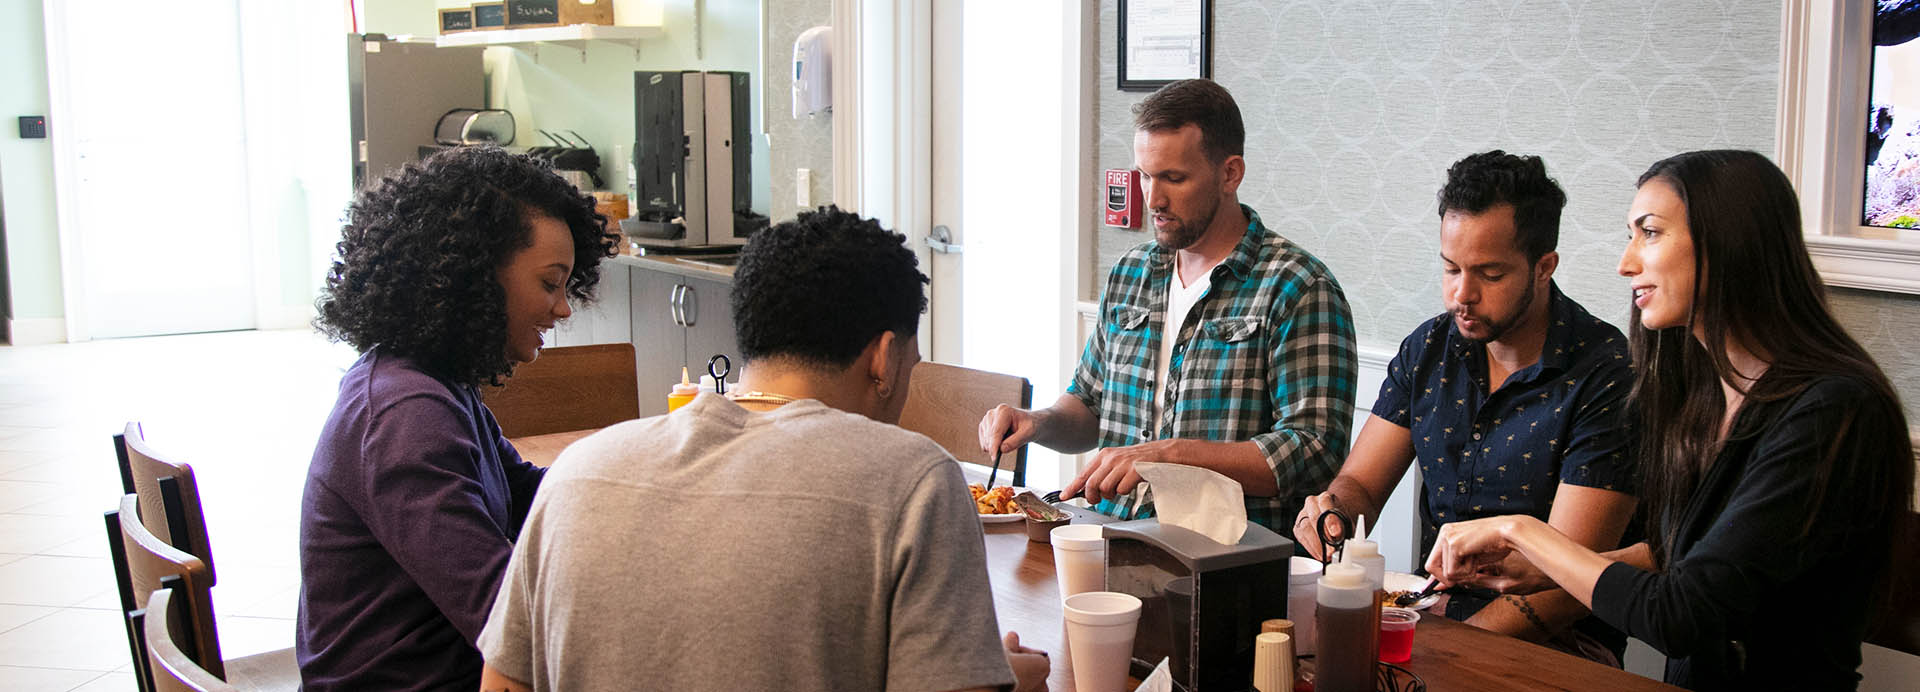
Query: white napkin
(1160, 680)
(1198, 500)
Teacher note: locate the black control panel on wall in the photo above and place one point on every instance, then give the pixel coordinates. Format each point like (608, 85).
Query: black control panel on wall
(33, 127)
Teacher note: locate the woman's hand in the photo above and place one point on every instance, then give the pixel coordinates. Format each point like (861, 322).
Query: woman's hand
(1476, 552)
(1514, 574)
(1030, 666)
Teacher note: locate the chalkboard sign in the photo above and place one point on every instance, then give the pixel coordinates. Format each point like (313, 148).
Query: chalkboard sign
(489, 15)
(532, 13)
(454, 21)
(523, 13)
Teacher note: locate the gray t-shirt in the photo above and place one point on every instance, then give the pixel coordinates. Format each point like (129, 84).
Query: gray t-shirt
(717, 548)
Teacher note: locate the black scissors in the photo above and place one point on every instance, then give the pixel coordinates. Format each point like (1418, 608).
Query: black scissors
(1332, 547)
(718, 366)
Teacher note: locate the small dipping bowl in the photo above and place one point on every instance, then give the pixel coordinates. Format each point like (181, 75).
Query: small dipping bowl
(1041, 531)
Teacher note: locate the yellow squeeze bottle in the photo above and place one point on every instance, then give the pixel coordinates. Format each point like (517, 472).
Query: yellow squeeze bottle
(682, 393)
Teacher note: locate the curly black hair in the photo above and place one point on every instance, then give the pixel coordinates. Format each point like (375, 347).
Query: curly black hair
(815, 290)
(415, 270)
(1480, 181)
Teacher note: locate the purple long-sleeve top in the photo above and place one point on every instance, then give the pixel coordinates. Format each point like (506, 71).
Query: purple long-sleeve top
(412, 504)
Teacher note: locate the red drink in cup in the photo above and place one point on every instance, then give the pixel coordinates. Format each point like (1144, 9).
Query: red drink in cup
(1396, 634)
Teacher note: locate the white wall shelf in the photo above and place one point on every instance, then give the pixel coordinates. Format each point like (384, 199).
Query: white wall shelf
(575, 36)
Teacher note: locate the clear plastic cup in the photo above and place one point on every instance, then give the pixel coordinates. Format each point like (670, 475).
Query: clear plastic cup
(1396, 634)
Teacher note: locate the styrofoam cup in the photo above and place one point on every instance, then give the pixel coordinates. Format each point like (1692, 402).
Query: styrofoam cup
(1302, 585)
(1100, 629)
(1079, 558)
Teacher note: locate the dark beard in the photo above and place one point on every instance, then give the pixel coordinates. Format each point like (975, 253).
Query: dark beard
(1189, 233)
(1495, 330)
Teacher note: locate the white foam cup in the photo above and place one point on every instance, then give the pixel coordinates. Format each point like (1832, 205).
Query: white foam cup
(1079, 558)
(1302, 586)
(1100, 629)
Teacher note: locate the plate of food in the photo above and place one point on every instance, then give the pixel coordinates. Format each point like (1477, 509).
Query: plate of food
(1402, 584)
(996, 505)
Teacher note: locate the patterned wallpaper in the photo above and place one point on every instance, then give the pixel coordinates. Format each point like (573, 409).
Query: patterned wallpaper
(794, 144)
(1355, 109)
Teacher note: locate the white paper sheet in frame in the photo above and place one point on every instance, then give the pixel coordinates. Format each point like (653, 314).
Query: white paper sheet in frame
(1164, 39)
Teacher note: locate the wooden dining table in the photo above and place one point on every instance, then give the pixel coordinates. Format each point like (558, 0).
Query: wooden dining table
(1447, 655)
(541, 450)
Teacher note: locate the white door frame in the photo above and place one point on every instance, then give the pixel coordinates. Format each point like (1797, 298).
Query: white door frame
(65, 175)
(882, 103)
(882, 130)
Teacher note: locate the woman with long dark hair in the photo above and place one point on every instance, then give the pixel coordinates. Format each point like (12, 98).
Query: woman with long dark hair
(1776, 458)
(448, 271)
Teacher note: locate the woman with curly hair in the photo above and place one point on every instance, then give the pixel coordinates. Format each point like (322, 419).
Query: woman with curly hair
(447, 273)
(1777, 465)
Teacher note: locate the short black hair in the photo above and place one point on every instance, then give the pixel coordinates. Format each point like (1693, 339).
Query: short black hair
(1203, 103)
(815, 290)
(1481, 181)
(415, 271)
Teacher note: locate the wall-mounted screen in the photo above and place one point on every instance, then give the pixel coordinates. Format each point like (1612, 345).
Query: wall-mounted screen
(1892, 195)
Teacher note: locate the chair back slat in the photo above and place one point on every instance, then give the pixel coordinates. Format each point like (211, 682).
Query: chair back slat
(169, 636)
(567, 388)
(946, 403)
(149, 560)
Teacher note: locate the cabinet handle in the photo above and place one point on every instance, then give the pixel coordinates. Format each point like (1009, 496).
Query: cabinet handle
(689, 307)
(673, 305)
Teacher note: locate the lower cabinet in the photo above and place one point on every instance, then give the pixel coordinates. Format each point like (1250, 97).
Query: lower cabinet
(678, 321)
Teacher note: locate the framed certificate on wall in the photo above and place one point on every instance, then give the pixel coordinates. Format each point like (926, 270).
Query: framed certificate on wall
(1164, 40)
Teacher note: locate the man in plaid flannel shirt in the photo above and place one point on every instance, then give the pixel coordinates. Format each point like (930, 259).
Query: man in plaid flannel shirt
(1257, 379)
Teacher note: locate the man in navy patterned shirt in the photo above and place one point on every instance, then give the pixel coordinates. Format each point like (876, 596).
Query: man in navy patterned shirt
(1512, 401)
(1220, 344)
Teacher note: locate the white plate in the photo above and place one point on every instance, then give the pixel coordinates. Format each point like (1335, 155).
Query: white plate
(1401, 581)
(1004, 518)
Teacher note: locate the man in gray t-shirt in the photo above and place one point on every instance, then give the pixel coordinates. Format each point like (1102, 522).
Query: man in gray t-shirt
(788, 538)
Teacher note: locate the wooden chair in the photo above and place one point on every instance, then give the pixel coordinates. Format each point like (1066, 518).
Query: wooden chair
(946, 403)
(146, 565)
(148, 560)
(180, 520)
(169, 637)
(566, 389)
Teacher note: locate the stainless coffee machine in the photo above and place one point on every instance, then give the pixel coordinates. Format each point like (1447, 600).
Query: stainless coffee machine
(692, 174)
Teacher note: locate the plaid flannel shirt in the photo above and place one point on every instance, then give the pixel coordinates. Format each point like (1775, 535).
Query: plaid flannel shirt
(1266, 356)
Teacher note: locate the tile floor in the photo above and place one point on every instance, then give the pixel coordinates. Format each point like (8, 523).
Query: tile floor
(243, 407)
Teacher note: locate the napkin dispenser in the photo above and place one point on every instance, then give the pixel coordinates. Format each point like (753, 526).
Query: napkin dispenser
(1202, 602)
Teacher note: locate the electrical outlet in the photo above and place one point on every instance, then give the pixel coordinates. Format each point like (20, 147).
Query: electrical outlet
(803, 188)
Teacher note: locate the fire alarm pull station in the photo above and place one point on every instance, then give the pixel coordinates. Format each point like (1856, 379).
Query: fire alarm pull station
(1123, 198)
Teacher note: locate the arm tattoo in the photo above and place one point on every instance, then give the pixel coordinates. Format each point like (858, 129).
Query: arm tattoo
(1526, 610)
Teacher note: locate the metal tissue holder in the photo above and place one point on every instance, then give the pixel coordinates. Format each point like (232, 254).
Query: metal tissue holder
(1201, 602)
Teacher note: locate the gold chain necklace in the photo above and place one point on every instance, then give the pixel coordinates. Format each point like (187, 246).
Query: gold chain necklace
(759, 397)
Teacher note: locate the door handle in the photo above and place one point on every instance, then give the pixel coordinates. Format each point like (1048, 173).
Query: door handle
(941, 241)
(689, 306)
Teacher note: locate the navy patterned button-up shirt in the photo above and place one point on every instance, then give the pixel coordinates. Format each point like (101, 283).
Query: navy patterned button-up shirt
(1561, 420)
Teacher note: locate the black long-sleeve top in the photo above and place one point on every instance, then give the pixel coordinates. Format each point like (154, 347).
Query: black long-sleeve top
(1748, 599)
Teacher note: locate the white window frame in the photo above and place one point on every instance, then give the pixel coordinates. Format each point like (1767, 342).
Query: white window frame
(1825, 49)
